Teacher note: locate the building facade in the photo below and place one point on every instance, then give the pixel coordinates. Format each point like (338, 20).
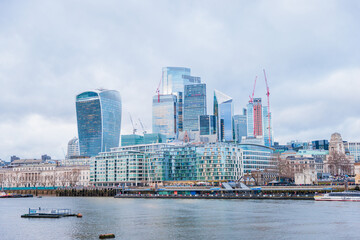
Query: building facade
(156, 163)
(240, 127)
(44, 175)
(354, 149)
(73, 148)
(164, 115)
(223, 111)
(99, 121)
(194, 106)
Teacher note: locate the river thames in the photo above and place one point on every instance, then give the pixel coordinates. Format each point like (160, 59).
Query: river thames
(182, 219)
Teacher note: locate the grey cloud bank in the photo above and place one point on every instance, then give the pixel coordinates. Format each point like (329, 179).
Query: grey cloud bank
(52, 50)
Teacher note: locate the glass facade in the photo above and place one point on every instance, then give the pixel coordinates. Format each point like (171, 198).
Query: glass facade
(175, 78)
(223, 110)
(164, 115)
(99, 121)
(148, 138)
(152, 163)
(354, 149)
(194, 105)
(207, 124)
(250, 119)
(268, 142)
(257, 157)
(218, 162)
(73, 148)
(240, 127)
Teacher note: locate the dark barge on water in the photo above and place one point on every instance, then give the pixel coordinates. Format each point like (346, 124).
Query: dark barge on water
(49, 213)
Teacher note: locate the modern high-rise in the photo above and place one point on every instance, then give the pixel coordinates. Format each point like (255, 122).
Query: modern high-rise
(258, 127)
(99, 121)
(175, 78)
(207, 124)
(164, 115)
(258, 121)
(240, 127)
(267, 130)
(173, 81)
(254, 118)
(194, 106)
(223, 111)
(354, 149)
(73, 148)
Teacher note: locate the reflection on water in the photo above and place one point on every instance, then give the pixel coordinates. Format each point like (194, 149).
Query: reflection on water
(181, 219)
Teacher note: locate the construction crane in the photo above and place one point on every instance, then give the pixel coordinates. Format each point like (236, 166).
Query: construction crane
(132, 123)
(142, 126)
(158, 88)
(268, 102)
(252, 96)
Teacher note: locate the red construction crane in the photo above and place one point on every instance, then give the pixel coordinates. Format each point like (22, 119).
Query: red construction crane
(158, 89)
(252, 96)
(268, 102)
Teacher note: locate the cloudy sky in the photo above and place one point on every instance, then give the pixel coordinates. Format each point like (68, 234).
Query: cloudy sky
(52, 50)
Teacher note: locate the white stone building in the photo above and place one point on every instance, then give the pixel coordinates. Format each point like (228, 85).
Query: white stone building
(44, 175)
(307, 176)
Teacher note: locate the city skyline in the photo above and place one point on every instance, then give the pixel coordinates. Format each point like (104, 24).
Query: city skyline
(310, 85)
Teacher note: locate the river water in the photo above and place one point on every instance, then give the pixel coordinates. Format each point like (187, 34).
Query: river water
(182, 219)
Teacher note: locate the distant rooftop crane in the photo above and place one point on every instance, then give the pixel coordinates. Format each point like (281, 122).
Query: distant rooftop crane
(142, 126)
(132, 123)
(252, 96)
(268, 102)
(158, 88)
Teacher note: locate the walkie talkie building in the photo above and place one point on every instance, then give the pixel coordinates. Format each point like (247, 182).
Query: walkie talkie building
(99, 121)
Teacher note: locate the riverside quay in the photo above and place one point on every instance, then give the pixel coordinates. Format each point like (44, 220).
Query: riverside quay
(144, 165)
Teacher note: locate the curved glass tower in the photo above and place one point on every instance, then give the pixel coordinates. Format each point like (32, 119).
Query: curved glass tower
(99, 121)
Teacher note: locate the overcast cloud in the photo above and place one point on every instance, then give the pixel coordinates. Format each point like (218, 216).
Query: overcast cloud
(52, 50)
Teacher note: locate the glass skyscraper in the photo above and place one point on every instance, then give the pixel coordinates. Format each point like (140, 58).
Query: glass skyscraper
(173, 82)
(223, 111)
(207, 124)
(164, 115)
(268, 142)
(240, 127)
(175, 78)
(194, 106)
(99, 121)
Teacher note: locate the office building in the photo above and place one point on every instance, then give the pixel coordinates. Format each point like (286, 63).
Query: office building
(257, 157)
(240, 127)
(267, 129)
(320, 144)
(175, 78)
(354, 149)
(223, 111)
(255, 118)
(73, 148)
(173, 81)
(207, 124)
(98, 120)
(194, 106)
(164, 115)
